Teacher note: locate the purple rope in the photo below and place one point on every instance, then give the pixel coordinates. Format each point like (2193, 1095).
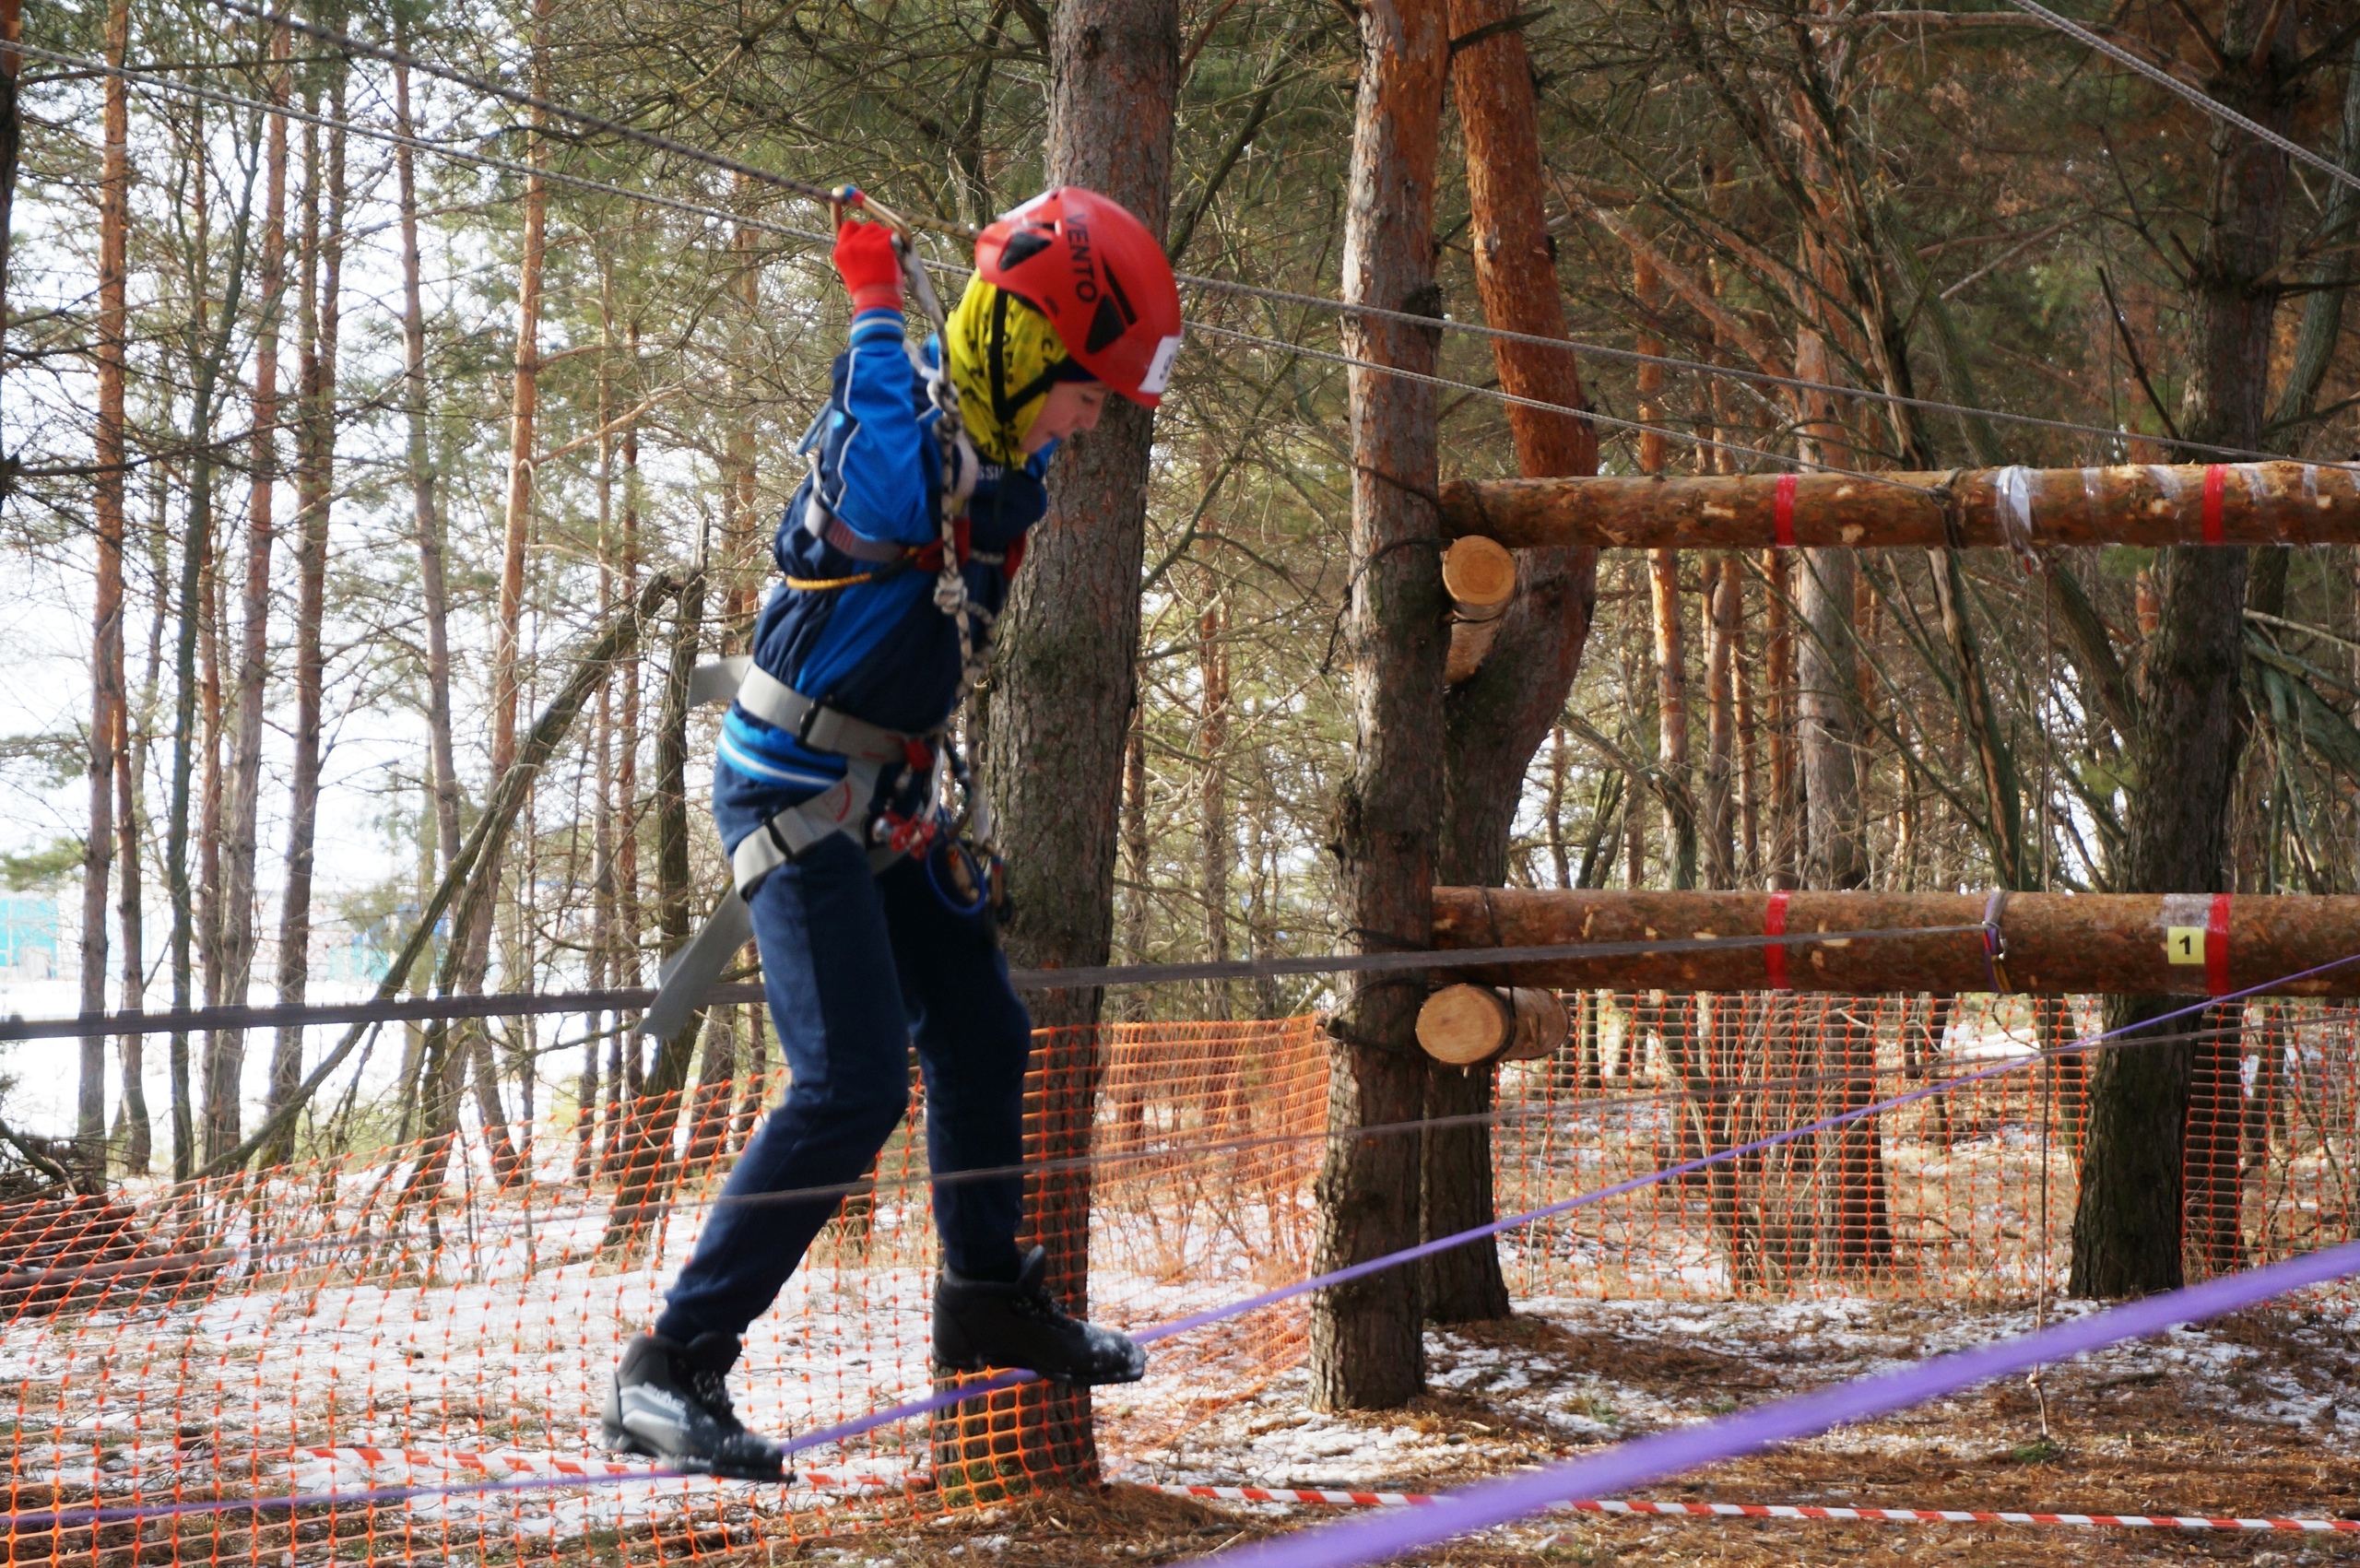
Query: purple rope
(66, 1518)
(1610, 1473)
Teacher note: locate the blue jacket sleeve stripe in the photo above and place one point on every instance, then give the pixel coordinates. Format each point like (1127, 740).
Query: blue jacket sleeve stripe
(756, 766)
(884, 493)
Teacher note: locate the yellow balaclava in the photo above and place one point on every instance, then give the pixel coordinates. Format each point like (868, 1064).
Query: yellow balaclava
(1004, 357)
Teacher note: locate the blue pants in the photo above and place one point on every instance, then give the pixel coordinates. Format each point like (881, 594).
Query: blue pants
(856, 967)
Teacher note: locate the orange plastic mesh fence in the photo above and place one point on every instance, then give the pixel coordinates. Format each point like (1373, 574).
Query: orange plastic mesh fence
(428, 1313)
(1941, 1199)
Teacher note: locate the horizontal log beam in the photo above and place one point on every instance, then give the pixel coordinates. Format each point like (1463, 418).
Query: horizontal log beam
(2222, 503)
(2184, 945)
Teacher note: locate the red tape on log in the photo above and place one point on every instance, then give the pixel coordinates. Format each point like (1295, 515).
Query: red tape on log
(1774, 956)
(2217, 947)
(1782, 511)
(2216, 480)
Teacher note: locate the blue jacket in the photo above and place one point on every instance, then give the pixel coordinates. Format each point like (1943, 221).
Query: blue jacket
(877, 650)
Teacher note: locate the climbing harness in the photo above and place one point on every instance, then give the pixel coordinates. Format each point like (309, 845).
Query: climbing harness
(955, 845)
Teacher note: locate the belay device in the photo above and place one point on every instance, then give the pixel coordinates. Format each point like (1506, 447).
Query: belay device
(954, 848)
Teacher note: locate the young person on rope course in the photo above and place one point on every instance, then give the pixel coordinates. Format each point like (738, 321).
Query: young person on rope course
(873, 915)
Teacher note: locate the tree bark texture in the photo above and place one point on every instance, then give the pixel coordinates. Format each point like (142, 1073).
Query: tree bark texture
(2181, 945)
(1066, 676)
(2145, 504)
(1495, 719)
(2185, 753)
(1367, 1342)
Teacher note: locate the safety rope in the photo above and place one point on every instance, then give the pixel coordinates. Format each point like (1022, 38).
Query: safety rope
(2029, 1351)
(1376, 1538)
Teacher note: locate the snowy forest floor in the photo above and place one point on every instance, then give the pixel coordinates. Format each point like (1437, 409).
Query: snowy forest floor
(2254, 1415)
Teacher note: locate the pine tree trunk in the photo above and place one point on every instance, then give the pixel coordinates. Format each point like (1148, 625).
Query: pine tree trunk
(12, 133)
(434, 596)
(1220, 843)
(507, 660)
(1367, 1338)
(242, 815)
(1495, 719)
(106, 695)
(136, 1126)
(1784, 863)
(1827, 677)
(212, 355)
(648, 1167)
(2190, 741)
(1063, 689)
(314, 488)
(1724, 608)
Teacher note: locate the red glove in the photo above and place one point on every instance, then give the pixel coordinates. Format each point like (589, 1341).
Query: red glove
(865, 261)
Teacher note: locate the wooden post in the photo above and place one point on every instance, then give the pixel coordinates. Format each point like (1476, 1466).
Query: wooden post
(2178, 945)
(2145, 504)
(1480, 577)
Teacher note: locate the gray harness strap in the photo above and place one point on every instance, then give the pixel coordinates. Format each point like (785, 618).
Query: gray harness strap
(843, 808)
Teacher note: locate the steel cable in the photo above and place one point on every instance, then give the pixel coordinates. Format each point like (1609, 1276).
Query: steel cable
(810, 191)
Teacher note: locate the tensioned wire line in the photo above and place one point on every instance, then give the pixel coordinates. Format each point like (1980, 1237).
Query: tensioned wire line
(1166, 1157)
(959, 231)
(1515, 400)
(145, 76)
(2210, 105)
(602, 187)
(63, 1518)
(1690, 438)
(529, 1004)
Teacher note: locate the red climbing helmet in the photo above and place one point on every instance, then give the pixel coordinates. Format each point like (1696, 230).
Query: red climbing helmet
(1102, 279)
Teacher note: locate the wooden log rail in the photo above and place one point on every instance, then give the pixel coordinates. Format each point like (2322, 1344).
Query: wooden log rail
(2219, 504)
(2186, 945)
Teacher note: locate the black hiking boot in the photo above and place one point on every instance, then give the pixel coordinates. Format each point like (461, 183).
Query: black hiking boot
(670, 1401)
(981, 1322)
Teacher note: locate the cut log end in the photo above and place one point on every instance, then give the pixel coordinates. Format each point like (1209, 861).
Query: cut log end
(1465, 1025)
(1480, 576)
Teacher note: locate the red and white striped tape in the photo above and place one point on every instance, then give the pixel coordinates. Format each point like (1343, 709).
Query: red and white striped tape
(1779, 1510)
(512, 1463)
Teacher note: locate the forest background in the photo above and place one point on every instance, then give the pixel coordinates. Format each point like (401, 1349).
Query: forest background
(284, 595)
